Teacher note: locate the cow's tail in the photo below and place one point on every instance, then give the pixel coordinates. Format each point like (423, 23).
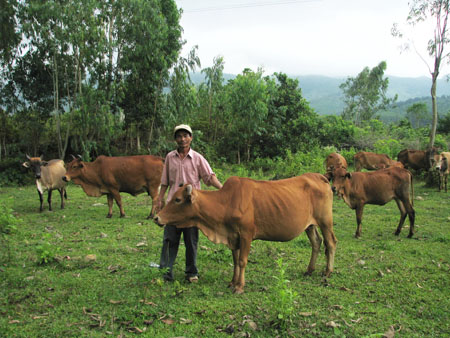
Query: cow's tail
(412, 188)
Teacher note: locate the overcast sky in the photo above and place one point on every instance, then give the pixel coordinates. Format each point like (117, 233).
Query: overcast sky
(305, 37)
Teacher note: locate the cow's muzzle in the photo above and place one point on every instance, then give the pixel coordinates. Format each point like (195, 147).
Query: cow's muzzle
(157, 220)
(65, 179)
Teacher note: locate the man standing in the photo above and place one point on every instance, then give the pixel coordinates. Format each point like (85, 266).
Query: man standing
(182, 166)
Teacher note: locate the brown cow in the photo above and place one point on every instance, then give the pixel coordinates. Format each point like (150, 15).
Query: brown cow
(441, 165)
(335, 160)
(245, 210)
(112, 175)
(373, 161)
(378, 187)
(417, 159)
(48, 177)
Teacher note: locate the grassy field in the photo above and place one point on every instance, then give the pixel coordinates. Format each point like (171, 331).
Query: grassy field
(98, 282)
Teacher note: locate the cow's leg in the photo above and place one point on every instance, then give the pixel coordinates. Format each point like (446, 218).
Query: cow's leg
(403, 214)
(49, 199)
(245, 244)
(316, 242)
(62, 192)
(445, 181)
(330, 247)
(153, 193)
(110, 205)
(41, 199)
(411, 216)
(359, 212)
(116, 195)
(235, 279)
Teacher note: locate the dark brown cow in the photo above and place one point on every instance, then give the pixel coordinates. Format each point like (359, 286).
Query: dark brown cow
(378, 187)
(373, 161)
(417, 159)
(48, 177)
(335, 160)
(112, 175)
(245, 210)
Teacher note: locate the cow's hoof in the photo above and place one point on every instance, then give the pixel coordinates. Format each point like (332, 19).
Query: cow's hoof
(397, 233)
(109, 216)
(238, 291)
(122, 216)
(410, 235)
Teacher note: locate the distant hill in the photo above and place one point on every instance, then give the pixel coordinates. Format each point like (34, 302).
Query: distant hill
(325, 96)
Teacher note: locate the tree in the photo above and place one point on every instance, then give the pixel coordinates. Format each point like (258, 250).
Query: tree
(417, 113)
(214, 85)
(365, 94)
(438, 10)
(9, 38)
(248, 104)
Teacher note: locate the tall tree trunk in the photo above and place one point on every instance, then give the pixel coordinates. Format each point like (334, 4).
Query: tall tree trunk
(434, 109)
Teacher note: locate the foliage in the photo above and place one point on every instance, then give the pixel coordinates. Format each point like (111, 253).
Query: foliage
(417, 114)
(46, 251)
(444, 124)
(365, 94)
(283, 297)
(8, 225)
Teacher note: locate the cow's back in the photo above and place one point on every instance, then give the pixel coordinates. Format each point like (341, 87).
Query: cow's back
(281, 209)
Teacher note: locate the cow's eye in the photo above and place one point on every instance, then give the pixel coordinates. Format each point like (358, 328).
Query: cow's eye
(177, 200)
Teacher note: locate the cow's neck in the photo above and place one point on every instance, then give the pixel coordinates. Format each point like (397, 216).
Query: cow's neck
(211, 217)
(91, 174)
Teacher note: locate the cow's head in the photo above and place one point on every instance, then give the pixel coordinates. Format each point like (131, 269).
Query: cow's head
(340, 179)
(73, 169)
(181, 210)
(436, 162)
(35, 164)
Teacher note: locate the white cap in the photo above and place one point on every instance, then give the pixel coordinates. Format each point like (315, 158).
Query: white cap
(182, 127)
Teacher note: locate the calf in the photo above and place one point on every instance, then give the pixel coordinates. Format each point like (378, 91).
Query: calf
(378, 187)
(245, 210)
(48, 177)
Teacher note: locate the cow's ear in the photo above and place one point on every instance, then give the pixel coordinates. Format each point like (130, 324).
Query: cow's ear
(348, 175)
(329, 175)
(189, 194)
(44, 163)
(26, 164)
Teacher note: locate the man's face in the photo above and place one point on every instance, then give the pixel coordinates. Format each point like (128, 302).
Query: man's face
(183, 139)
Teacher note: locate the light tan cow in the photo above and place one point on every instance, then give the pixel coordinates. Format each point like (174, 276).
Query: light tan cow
(48, 176)
(441, 164)
(245, 210)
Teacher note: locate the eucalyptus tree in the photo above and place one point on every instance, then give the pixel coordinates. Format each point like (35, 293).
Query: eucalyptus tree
(9, 37)
(183, 94)
(417, 113)
(248, 100)
(365, 94)
(148, 44)
(436, 11)
(214, 86)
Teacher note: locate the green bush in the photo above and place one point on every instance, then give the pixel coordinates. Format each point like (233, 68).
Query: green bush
(12, 173)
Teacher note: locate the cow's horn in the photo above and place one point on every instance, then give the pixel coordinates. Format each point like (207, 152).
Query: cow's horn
(79, 156)
(189, 189)
(28, 157)
(73, 157)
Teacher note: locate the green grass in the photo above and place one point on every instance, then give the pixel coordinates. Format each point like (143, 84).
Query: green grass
(380, 280)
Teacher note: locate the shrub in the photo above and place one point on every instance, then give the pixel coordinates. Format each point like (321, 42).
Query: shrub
(13, 174)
